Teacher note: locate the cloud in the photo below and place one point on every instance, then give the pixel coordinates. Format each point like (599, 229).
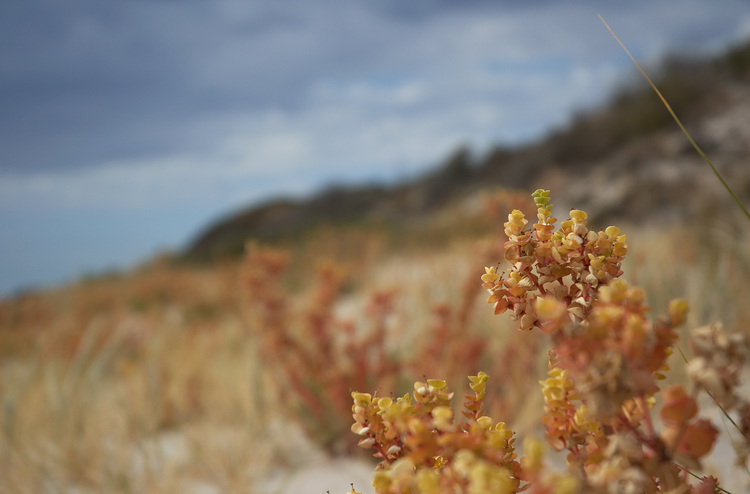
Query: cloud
(93, 82)
(168, 91)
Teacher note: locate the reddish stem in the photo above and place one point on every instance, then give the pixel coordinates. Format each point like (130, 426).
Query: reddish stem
(647, 417)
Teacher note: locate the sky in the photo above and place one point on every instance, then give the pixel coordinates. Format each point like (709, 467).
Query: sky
(127, 126)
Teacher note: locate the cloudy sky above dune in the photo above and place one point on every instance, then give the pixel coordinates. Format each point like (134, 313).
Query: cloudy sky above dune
(125, 126)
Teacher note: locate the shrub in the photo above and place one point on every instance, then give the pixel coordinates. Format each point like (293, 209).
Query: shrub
(606, 361)
(315, 358)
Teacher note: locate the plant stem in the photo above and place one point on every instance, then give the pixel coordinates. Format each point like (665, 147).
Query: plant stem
(679, 123)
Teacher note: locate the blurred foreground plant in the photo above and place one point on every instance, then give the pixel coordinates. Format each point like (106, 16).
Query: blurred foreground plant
(606, 359)
(314, 359)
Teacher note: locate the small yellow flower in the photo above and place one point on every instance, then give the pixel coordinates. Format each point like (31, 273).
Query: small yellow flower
(677, 311)
(428, 481)
(612, 232)
(362, 399)
(384, 403)
(436, 383)
(442, 417)
(484, 422)
(579, 217)
(541, 199)
(381, 481)
(490, 276)
(548, 308)
(534, 452)
(479, 379)
(566, 484)
(516, 223)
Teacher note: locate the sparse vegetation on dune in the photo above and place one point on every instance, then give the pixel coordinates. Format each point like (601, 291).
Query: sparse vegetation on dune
(626, 152)
(170, 378)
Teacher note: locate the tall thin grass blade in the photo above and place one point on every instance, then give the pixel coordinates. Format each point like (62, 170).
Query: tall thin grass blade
(679, 123)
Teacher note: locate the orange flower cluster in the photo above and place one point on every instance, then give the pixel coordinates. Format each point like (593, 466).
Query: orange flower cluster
(568, 265)
(425, 450)
(568, 426)
(607, 354)
(617, 354)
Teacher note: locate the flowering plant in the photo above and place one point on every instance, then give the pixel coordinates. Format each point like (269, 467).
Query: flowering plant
(606, 360)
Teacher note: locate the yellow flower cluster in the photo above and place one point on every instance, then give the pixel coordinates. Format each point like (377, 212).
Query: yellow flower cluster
(559, 394)
(473, 404)
(424, 450)
(567, 265)
(542, 480)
